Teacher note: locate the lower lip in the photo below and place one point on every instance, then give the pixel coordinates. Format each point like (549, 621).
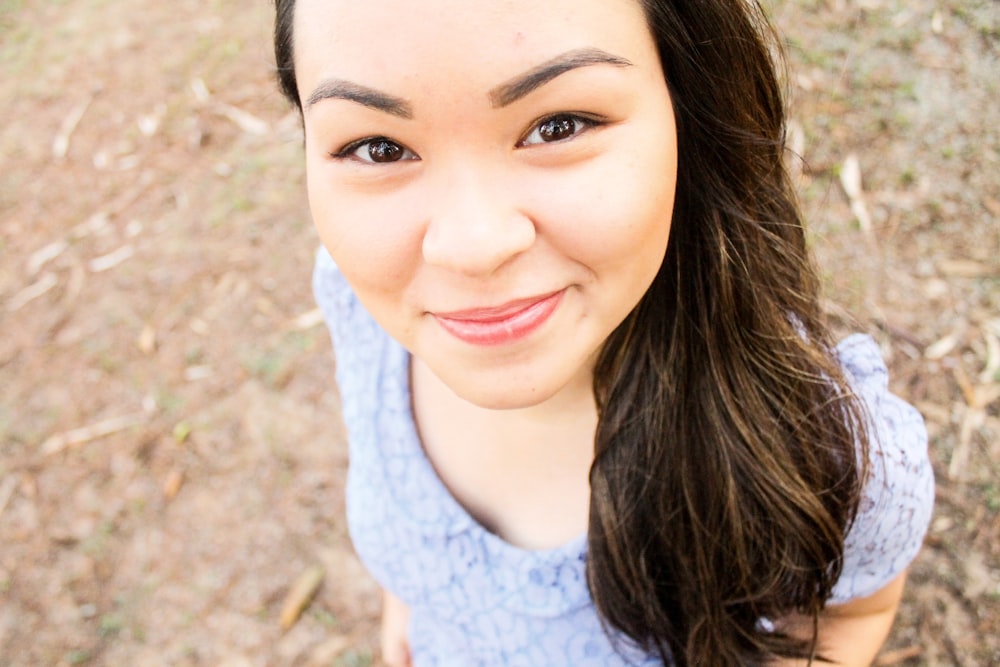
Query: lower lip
(508, 329)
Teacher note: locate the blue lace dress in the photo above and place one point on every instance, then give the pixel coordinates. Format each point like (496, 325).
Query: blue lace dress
(476, 600)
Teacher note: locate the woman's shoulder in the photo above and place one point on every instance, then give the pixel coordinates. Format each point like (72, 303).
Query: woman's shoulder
(361, 348)
(898, 496)
(355, 333)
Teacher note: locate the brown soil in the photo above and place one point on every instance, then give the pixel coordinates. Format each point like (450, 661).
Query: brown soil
(171, 452)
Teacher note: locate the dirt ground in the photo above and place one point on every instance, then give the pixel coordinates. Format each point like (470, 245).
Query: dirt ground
(171, 453)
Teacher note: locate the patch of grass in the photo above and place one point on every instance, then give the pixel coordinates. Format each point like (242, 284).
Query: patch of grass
(169, 402)
(277, 365)
(268, 366)
(79, 657)
(991, 494)
(324, 617)
(110, 625)
(980, 15)
(96, 545)
(907, 89)
(8, 9)
(354, 659)
(194, 355)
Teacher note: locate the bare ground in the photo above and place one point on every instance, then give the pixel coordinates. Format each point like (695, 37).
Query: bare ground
(171, 452)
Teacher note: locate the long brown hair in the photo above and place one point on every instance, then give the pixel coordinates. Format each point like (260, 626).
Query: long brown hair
(729, 451)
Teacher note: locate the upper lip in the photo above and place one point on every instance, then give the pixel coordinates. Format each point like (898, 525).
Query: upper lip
(494, 313)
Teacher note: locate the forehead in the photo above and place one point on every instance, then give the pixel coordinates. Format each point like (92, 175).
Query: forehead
(380, 41)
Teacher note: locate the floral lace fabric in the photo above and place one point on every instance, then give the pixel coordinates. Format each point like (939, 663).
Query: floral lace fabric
(478, 601)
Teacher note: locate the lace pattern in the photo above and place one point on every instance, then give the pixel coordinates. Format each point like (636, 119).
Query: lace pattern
(477, 600)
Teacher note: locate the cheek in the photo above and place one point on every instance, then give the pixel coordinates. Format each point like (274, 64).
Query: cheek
(370, 238)
(615, 216)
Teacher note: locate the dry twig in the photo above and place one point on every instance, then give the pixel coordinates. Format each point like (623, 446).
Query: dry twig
(84, 434)
(60, 145)
(850, 180)
(32, 291)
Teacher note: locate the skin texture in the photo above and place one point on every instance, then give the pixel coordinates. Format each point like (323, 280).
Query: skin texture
(480, 218)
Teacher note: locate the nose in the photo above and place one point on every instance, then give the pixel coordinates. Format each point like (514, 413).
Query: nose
(475, 227)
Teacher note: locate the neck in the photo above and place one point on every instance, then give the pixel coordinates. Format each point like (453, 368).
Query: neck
(522, 473)
(572, 410)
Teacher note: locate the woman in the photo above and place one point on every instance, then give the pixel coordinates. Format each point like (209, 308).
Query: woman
(594, 414)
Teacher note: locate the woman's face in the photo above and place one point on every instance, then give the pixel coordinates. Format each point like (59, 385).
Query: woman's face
(494, 179)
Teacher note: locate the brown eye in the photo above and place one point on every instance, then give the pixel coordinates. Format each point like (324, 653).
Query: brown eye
(557, 128)
(383, 150)
(376, 150)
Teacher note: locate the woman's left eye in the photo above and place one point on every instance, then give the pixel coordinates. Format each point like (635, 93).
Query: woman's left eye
(557, 128)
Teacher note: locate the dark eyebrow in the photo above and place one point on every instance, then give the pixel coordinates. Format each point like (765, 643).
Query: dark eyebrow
(516, 88)
(503, 95)
(354, 92)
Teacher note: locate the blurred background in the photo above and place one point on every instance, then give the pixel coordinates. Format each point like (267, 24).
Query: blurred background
(171, 452)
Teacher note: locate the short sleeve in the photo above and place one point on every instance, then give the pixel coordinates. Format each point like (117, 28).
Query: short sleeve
(898, 497)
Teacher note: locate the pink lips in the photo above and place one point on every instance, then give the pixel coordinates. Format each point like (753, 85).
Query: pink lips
(502, 324)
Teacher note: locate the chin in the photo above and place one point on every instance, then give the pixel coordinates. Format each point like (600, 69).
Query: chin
(517, 398)
(518, 391)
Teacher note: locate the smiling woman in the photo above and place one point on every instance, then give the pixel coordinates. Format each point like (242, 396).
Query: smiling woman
(595, 418)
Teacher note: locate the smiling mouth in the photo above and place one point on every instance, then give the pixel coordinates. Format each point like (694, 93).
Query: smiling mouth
(502, 324)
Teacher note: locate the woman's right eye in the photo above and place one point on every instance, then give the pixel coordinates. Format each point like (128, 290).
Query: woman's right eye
(376, 150)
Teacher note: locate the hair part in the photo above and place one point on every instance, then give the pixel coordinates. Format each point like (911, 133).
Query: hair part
(729, 453)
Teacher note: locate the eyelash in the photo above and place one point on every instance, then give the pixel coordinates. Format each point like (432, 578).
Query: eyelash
(582, 123)
(348, 152)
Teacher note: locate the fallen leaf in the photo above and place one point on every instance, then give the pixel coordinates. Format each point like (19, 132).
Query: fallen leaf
(196, 373)
(98, 223)
(940, 348)
(200, 90)
(245, 120)
(306, 320)
(935, 288)
(301, 594)
(937, 22)
(173, 483)
(147, 340)
(199, 326)
(850, 180)
(991, 369)
(181, 432)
